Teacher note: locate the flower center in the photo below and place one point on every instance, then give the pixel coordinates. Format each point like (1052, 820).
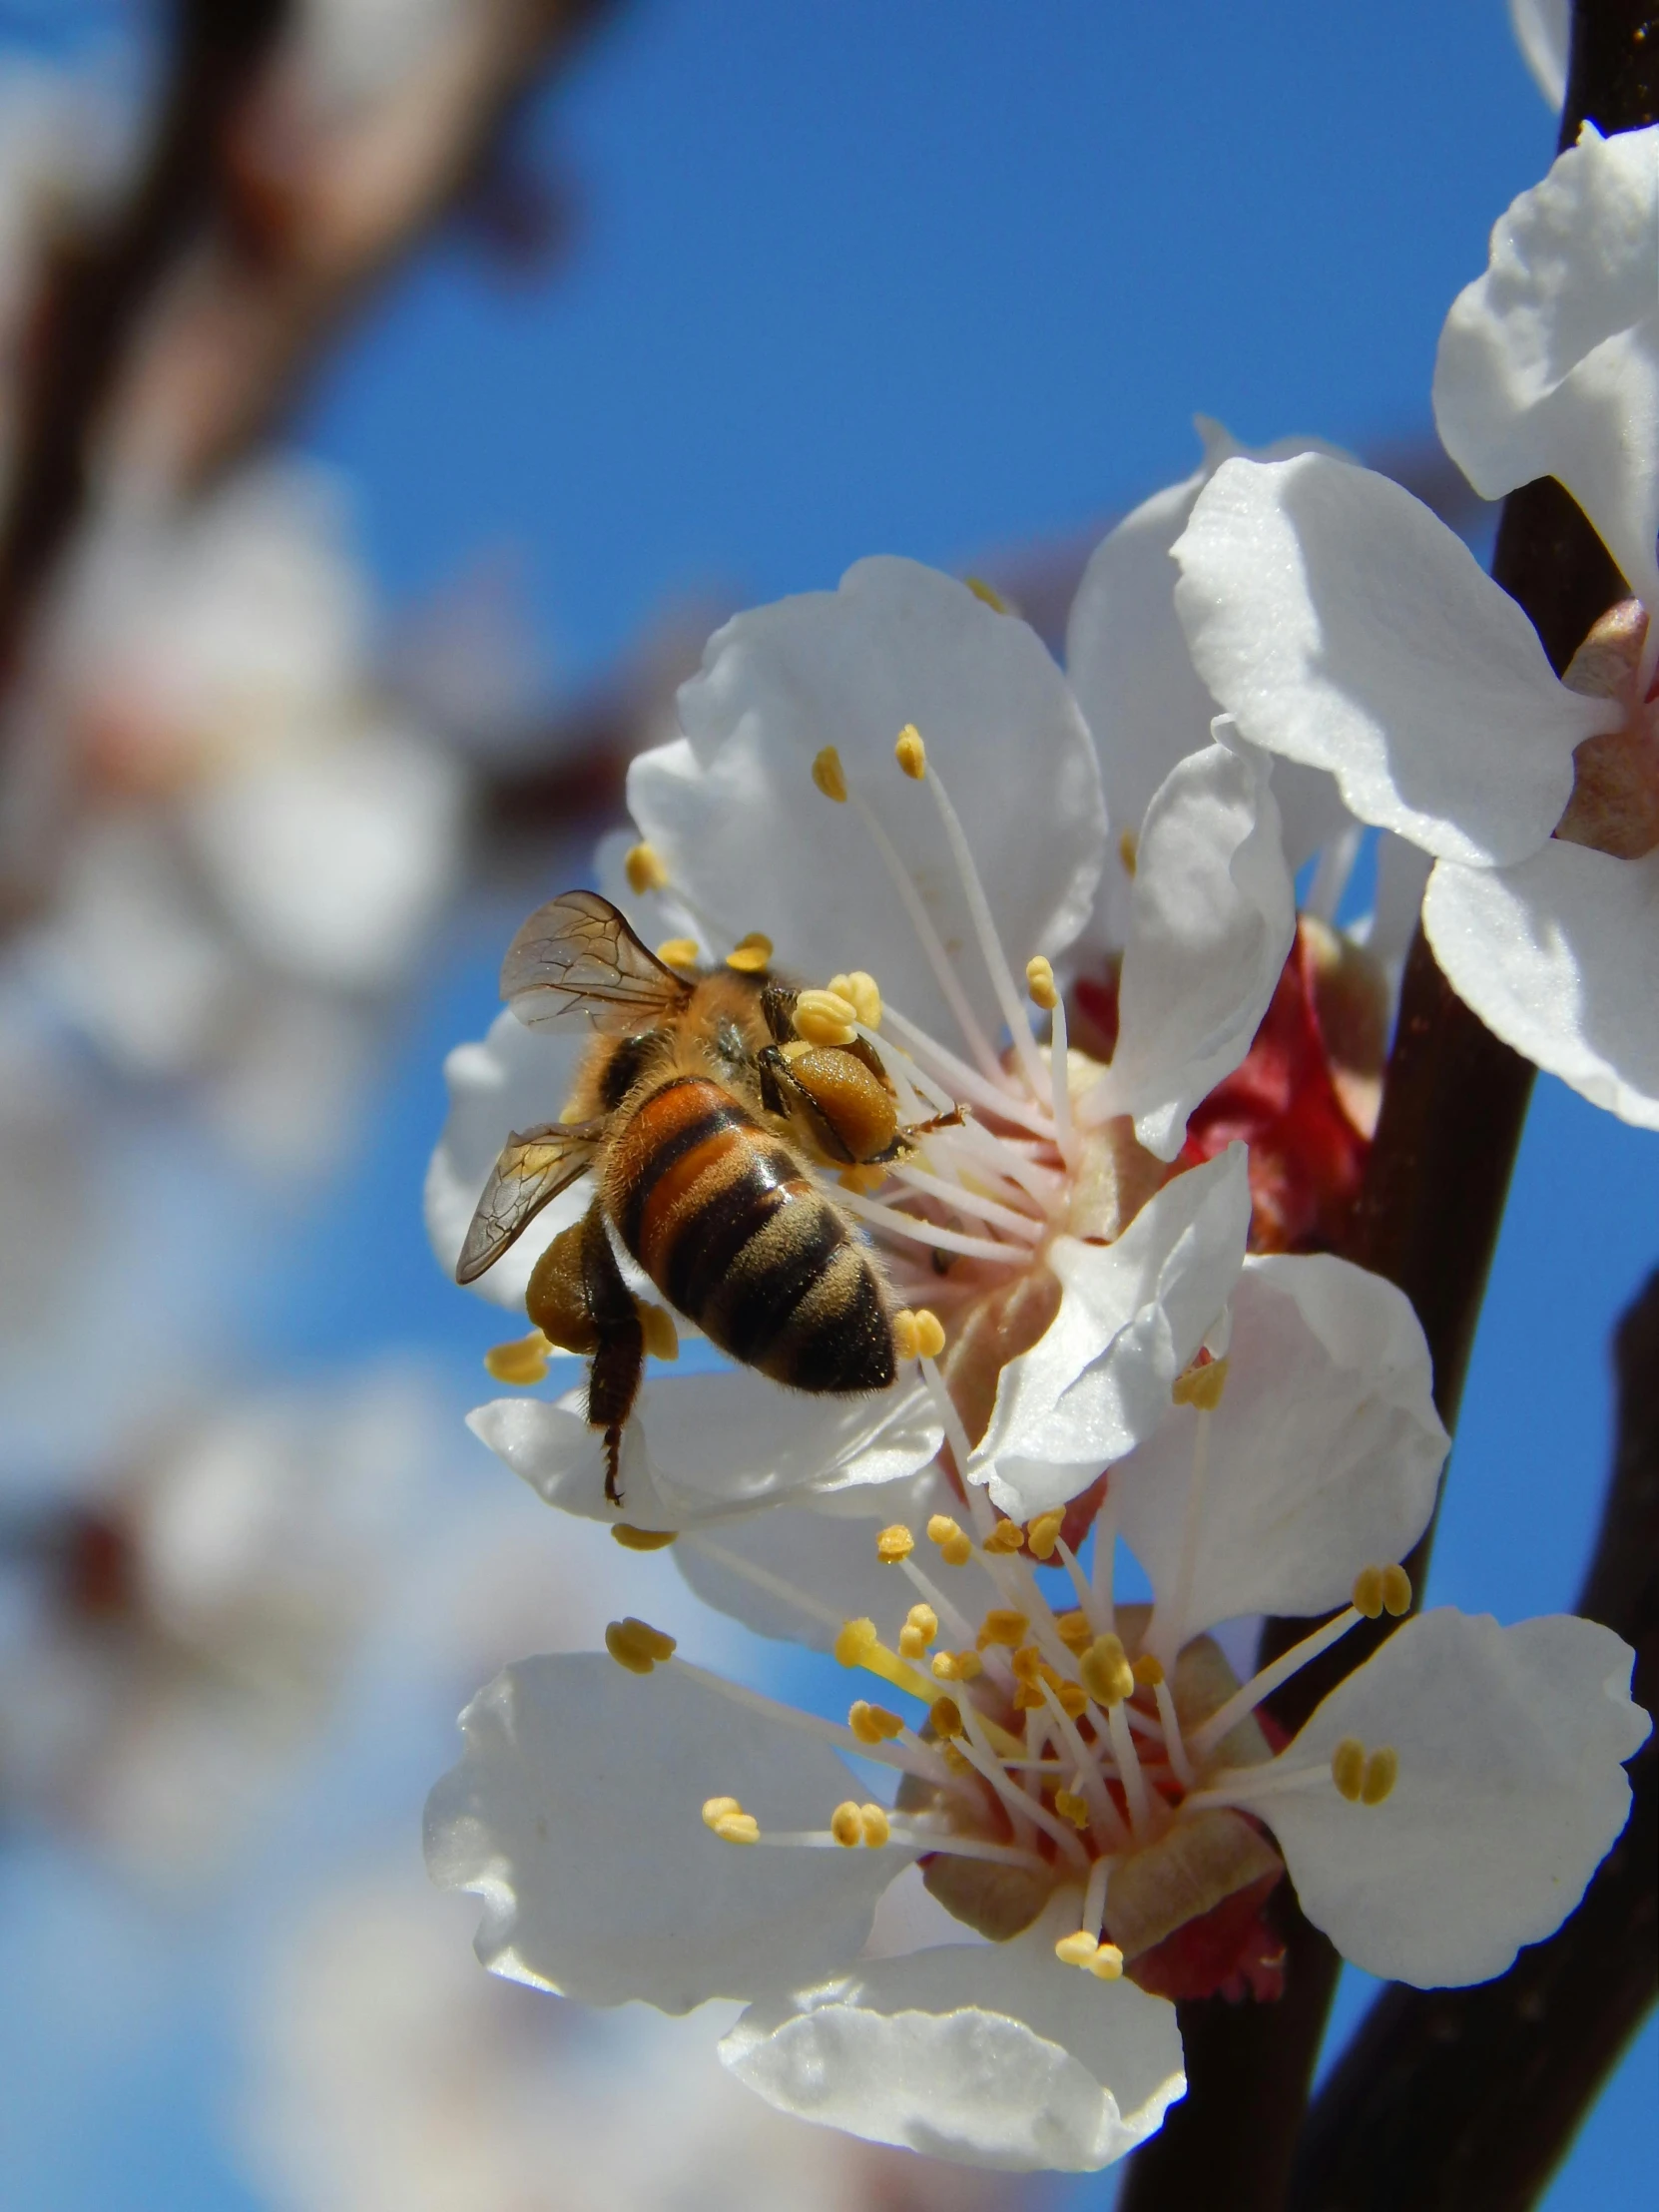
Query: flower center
(967, 1216)
(1089, 1747)
(1614, 805)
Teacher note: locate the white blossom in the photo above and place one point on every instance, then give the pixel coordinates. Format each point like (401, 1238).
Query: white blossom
(265, 844)
(1074, 1275)
(1081, 1788)
(1343, 625)
(1548, 364)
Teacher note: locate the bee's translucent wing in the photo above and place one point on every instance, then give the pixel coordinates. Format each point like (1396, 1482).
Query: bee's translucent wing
(533, 1168)
(577, 959)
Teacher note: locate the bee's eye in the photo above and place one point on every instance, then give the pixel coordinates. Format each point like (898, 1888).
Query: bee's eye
(626, 1065)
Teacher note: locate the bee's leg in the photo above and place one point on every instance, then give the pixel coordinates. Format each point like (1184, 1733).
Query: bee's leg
(782, 1092)
(619, 1356)
(579, 1300)
(778, 1011)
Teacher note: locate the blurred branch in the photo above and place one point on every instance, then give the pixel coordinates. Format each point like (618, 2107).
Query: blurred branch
(1454, 2097)
(1453, 1108)
(320, 215)
(96, 290)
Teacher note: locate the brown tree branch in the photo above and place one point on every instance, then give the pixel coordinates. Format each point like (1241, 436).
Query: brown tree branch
(97, 287)
(1453, 1107)
(1457, 2098)
(322, 212)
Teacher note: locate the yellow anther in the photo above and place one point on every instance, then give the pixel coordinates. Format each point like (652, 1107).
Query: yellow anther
(1348, 1768)
(1107, 1675)
(1006, 1537)
(929, 1334)
(1201, 1386)
(641, 1540)
(636, 1645)
(750, 955)
(1025, 1662)
(1397, 1591)
(677, 953)
(738, 1828)
(861, 994)
(1075, 1631)
(876, 1826)
(857, 1639)
(987, 593)
(873, 1724)
(1071, 1808)
(910, 753)
(1368, 1592)
(954, 1760)
(715, 1809)
(921, 1625)
(1078, 1950)
(865, 1180)
(1129, 849)
(955, 1547)
(1039, 981)
(893, 1544)
(1148, 1671)
(1002, 1625)
(828, 775)
(907, 1338)
(845, 1825)
(947, 1718)
(1382, 1773)
(1043, 1533)
(644, 870)
(825, 1018)
(523, 1361)
(1107, 1964)
(957, 1666)
(661, 1339)
(1072, 1698)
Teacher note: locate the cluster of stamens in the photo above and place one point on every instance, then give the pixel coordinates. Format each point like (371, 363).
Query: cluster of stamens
(1060, 1741)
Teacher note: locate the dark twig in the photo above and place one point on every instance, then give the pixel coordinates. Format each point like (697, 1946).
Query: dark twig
(1453, 1107)
(322, 212)
(100, 286)
(1456, 2098)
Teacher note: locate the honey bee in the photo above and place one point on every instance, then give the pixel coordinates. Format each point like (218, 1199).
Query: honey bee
(692, 1112)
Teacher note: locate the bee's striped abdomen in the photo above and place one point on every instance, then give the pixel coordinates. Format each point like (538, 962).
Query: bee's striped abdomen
(736, 1235)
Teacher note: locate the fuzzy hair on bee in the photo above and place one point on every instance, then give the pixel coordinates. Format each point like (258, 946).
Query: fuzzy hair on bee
(701, 1116)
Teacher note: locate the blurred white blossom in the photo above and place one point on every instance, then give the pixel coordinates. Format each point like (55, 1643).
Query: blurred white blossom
(176, 1633)
(386, 2075)
(261, 842)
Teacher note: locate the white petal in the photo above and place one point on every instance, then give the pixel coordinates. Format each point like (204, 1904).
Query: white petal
(1559, 956)
(1323, 1455)
(1510, 1792)
(1341, 623)
(830, 1556)
(710, 1447)
(1548, 364)
(576, 1814)
(1212, 921)
(1543, 30)
(516, 1079)
(735, 818)
(1127, 657)
(333, 862)
(990, 2054)
(1132, 1316)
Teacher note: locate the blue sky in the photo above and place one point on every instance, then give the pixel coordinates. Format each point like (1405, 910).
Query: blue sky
(936, 279)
